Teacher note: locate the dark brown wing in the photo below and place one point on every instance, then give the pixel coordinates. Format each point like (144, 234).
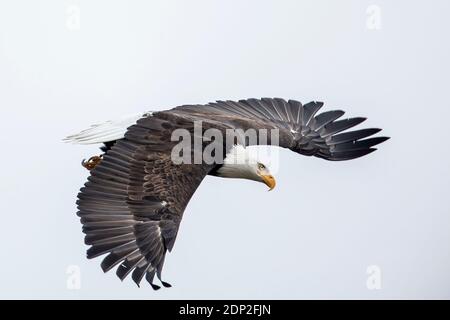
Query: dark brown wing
(301, 130)
(133, 202)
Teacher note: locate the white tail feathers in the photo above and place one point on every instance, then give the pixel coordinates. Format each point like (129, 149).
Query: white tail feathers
(108, 131)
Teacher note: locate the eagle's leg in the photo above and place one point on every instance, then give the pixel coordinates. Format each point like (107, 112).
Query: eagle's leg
(92, 162)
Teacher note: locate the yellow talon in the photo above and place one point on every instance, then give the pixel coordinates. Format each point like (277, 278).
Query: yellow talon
(92, 162)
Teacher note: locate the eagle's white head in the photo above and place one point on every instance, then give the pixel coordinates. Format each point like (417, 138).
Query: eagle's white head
(239, 163)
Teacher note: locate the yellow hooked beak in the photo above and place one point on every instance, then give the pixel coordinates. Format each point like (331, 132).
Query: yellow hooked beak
(269, 180)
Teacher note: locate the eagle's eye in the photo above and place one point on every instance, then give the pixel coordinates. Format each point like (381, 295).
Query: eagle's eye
(261, 166)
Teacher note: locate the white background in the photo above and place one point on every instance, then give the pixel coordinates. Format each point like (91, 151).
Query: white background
(316, 234)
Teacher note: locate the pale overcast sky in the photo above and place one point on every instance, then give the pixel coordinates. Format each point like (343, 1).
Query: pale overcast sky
(67, 64)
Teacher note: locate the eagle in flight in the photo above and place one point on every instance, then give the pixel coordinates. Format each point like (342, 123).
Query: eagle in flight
(133, 201)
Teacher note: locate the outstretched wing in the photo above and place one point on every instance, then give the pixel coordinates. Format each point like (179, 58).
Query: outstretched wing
(133, 202)
(301, 130)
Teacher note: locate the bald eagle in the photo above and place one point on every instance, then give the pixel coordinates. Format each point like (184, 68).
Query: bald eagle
(133, 201)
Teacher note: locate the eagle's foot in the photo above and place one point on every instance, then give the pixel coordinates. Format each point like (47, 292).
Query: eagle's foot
(92, 162)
